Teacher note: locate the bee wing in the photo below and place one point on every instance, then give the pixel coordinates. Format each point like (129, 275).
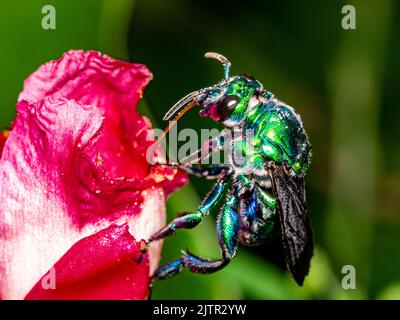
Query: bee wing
(294, 220)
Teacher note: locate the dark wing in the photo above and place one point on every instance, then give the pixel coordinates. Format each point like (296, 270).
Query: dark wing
(294, 220)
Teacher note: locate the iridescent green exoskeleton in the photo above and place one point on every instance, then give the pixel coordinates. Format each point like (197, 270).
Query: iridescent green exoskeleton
(265, 192)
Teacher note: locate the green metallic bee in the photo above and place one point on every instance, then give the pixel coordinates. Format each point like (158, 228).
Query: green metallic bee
(265, 193)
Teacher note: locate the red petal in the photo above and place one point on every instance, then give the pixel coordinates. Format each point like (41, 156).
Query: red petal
(114, 87)
(98, 267)
(3, 137)
(75, 163)
(48, 184)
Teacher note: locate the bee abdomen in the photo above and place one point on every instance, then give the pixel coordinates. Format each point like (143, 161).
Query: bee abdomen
(257, 218)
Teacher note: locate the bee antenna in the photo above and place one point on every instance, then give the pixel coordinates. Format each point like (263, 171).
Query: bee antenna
(222, 59)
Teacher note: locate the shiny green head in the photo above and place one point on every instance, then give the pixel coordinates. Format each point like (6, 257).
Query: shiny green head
(227, 101)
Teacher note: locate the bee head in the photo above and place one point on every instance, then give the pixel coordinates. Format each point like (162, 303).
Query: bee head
(226, 102)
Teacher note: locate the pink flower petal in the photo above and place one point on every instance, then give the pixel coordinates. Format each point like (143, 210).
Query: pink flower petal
(73, 165)
(100, 266)
(114, 87)
(3, 137)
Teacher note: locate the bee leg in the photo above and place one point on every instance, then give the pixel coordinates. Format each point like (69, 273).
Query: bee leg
(168, 270)
(194, 263)
(191, 219)
(208, 172)
(228, 224)
(228, 232)
(208, 147)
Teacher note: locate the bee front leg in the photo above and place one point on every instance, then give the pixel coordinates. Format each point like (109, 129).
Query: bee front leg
(192, 164)
(208, 172)
(208, 147)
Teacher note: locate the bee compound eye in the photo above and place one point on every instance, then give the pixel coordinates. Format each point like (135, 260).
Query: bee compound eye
(226, 106)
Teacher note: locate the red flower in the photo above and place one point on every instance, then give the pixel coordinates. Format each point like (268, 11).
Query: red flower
(76, 192)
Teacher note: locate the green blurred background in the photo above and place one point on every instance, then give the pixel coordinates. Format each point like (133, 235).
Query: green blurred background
(344, 83)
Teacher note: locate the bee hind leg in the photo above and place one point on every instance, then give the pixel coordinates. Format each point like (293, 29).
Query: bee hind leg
(194, 263)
